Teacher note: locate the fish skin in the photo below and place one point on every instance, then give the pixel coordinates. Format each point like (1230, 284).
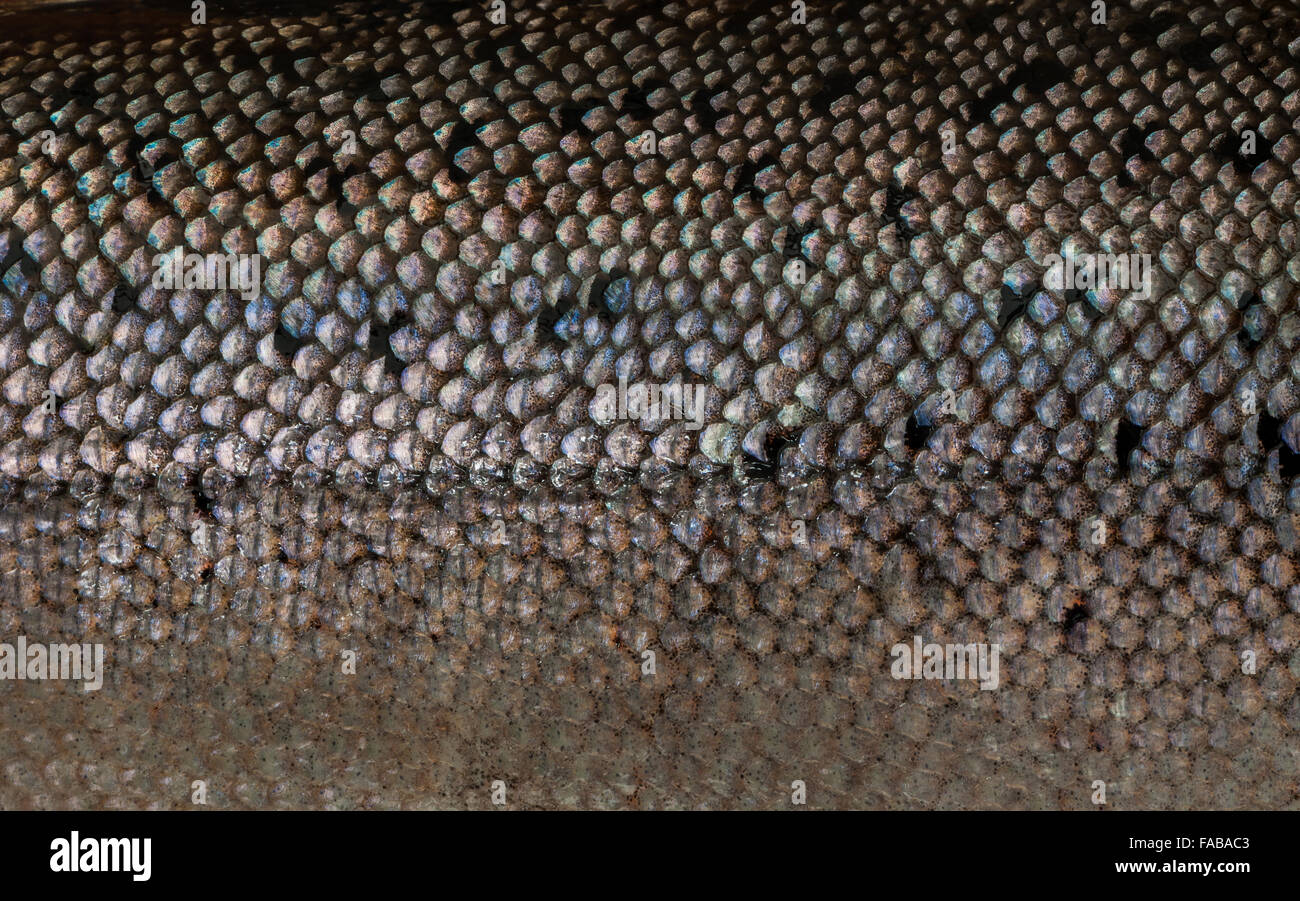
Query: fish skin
(385, 452)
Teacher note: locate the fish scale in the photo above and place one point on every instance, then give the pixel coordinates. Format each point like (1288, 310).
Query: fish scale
(388, 451)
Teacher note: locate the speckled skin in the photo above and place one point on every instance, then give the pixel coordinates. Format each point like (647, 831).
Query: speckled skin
(232, 493)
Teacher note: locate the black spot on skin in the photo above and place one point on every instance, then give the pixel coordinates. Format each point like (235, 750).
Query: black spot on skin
(364, 83)
(596, 293)
(743, 182)
(314, 166)
(462, 136)
(548, 319)
(1288, 462)
(982, 16)
(759, 470)
(1151, 29)
(1044, 73)
(982, 107)
(837, 84)
(733, 25)
(775, 441)
(918, 431)
(1073, 616)
(1245, 336)
(381, 344)
(16, 256)
(1269, 430)
(1263, 150)
(793, 244)
(1133, 143)
(243, 61)
(568, 117)
(1013, 305)
(489, 48)
(334, 183)
(636, 103)
(125, 298)
(141, 168)
(895, 197)
(1069, 404)
(1198, 53)
(284, 342)
(597, 301)
(605, 303)
(81, 87)
(1231, 150)
(282, 60)
(1127, 438)
(700, 105)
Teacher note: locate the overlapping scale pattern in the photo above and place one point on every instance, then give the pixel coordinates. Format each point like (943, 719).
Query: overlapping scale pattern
(839, 225)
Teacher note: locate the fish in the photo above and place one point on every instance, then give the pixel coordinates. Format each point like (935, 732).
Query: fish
(355, 532)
